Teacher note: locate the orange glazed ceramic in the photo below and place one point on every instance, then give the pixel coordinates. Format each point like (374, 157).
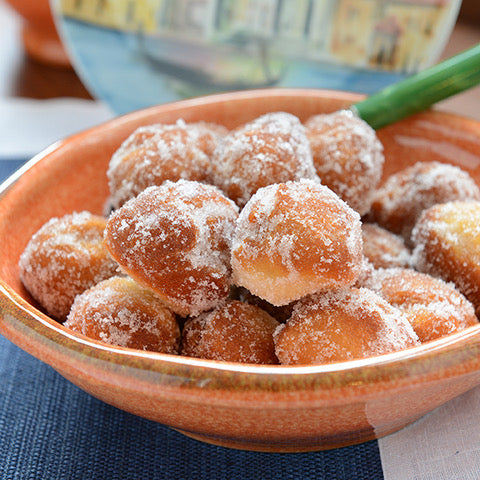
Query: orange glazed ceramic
(265, 408)
(39, 33)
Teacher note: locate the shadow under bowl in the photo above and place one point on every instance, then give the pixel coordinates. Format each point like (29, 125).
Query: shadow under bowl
(263, 408)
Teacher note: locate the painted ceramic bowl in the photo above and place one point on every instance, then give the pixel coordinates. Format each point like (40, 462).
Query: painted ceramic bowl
(136, 54)
(39, 34)
(265, 408)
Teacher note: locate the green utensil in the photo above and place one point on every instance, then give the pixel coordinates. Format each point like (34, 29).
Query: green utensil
(421, 90)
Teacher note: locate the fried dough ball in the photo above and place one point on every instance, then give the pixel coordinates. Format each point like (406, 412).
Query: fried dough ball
(433, 307)
(293, 239)
(383, 248)
(63, 258)
(366, 270)
(207, 135)
(175, 239)
(347, 155)
(341, 325)
(234, 332)
(155, 153)
(118, 311)
(401, 199)
(271, 149)
(447, 239)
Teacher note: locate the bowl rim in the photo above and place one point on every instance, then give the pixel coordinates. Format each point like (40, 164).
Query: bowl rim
(22, 322)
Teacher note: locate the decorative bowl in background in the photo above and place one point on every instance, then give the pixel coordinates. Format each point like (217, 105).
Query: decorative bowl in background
(267, 408)
(39, 34)
(138, 54)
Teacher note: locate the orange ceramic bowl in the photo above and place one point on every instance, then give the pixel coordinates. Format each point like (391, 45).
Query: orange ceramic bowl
(266, 408)
(39, 33)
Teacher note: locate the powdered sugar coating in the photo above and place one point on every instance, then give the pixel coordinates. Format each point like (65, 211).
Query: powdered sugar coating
(63, 258)
(233, 332)
(207, 135)
(342, 325)
(383, 248)
(176, 238)
(433, 307)
(347, 155)
(447, 245)
(271, 149)
(293, 239)
(118, 311)
(399, 202)
(159, 152)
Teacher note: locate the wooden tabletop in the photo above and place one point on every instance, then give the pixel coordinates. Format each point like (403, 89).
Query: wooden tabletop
(20, 76)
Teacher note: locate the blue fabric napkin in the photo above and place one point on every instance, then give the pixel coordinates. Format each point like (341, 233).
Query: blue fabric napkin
(50, 429)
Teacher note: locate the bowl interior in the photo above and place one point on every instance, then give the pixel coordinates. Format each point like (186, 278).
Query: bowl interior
(71, 175)
(268, 408)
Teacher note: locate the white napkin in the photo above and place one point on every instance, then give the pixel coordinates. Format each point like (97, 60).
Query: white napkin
(27, 126)
(443, 445)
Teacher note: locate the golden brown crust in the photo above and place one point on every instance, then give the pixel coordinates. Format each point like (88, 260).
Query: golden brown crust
(207, 135)
(153, 154)
(383, 248)
(118, 311)
(284, 249)
(176, 239)
(64, 258)
(347, 155)
(271, 149)
(433, 307)
(234, 332)
(399, 202)
(342, 325)
(447, 245)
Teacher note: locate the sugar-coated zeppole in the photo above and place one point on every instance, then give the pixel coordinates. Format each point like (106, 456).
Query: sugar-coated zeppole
(347, 155)
(159, 152)
(383, 248)
(447, 245)
(273, 148)
(63, 258)
(207, 135)
(176, 239)
(233, 332)
(433, 307)
(401, 199)
(118, 311)
(341, 325)
(366, 270)
(293, 239)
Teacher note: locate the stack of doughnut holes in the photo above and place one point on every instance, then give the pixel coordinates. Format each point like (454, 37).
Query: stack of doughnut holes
(277, 242)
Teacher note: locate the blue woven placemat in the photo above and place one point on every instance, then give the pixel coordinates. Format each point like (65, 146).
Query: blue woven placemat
(50, 429)
(8, 166)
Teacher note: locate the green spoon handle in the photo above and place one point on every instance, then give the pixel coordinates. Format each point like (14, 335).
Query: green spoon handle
(421, 90)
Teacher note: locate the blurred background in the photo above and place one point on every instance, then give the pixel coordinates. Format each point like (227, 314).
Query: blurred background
(69, 64)
(135, 54)
(209, 46)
